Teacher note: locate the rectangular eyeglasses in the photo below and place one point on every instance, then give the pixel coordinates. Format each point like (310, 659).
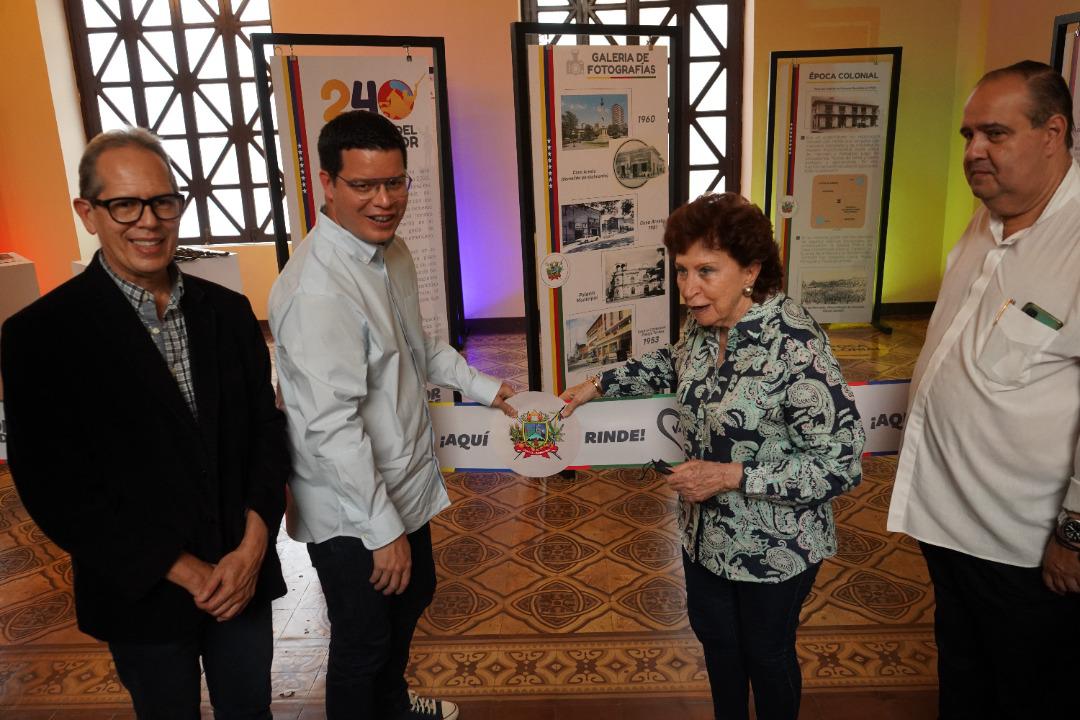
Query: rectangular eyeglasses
(367, 188)
(127, 210)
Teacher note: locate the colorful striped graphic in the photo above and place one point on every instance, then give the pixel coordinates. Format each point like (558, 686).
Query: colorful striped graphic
(554, 227)
(789, 166)
(298, 135)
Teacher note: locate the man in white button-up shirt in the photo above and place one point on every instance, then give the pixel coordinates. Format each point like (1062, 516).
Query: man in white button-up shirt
(988, 477)
(353, 363)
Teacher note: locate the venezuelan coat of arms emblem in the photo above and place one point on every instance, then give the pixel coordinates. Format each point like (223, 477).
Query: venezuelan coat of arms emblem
(536, 433)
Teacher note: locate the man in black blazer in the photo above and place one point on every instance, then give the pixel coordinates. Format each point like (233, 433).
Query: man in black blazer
(143, 439)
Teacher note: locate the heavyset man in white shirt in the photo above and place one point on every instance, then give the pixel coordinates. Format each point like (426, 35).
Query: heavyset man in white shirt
(988, 478)
(353, 363)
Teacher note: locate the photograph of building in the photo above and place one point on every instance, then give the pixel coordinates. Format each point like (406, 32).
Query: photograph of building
(828, 113)
(598, 339)
(633, 274)
(618, 115)
(598, 224)
(580, 222)
(591, 121)
(635, 163)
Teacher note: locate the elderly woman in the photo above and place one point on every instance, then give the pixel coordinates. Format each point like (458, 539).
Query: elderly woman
(772, 434)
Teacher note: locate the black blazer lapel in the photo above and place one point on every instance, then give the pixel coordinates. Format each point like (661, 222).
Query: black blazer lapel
(201, 318)
(118, 323)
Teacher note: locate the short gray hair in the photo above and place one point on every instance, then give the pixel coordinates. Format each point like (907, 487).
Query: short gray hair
(90, 184)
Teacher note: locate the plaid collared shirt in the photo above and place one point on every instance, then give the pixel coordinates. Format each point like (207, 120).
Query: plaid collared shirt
(169, 333)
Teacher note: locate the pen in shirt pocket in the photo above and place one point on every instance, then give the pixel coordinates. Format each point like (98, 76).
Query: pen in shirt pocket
(1001, 310)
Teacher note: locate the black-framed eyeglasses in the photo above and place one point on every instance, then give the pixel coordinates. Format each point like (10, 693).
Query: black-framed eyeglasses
(367, 188)
(127, 210)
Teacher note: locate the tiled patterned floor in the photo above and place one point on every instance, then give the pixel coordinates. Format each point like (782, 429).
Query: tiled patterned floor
(550, 590)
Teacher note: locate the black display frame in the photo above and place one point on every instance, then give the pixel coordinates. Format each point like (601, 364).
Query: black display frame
(1057, 42)
(896, 52)
(678, 142)
(451, 252)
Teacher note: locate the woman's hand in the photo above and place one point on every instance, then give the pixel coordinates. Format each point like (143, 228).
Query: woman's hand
(577, 395)
(699, 480)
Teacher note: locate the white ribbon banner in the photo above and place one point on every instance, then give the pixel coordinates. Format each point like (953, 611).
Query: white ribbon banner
(883, 408)
(609, 433)
(603, 433)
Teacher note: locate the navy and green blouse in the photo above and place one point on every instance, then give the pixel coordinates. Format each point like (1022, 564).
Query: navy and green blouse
(779, 405)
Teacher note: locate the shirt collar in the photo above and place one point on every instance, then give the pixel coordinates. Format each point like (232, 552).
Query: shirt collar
(360, 249)
(137, 295)
(1067, 190)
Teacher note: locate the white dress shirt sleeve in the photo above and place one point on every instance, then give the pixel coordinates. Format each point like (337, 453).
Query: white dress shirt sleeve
(324, 377)
(1072, 494)
(448, 368)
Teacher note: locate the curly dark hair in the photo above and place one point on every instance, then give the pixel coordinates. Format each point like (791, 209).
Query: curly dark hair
(731, 223)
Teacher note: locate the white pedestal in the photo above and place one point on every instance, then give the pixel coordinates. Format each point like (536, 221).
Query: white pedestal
(18, 288)
(223, 270)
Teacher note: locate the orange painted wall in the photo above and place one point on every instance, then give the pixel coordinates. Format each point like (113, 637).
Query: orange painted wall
(35, 209)
(1022, 30)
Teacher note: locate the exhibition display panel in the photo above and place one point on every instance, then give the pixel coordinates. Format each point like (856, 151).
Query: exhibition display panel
(832, 124)
(597, 165)
(312, 79)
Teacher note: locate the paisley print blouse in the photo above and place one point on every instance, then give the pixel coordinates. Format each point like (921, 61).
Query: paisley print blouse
(779, 405)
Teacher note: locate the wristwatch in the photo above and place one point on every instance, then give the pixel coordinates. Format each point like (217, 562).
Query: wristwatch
(1070, 531)
(595, 380)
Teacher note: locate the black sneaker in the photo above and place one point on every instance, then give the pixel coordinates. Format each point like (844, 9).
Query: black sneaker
(425, 708)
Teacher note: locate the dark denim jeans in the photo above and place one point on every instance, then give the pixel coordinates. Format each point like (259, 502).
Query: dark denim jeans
(1008, 647)
(747, 630)
(370, 632)
(163, 678)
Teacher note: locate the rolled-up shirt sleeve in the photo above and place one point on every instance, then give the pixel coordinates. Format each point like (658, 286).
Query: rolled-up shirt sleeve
(323, 371)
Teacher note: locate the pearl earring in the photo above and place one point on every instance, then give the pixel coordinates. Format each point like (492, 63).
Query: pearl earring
(748, 291)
